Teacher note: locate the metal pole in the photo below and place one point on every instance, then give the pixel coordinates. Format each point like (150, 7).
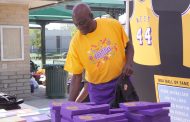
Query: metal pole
(43, 47)
(127, 17)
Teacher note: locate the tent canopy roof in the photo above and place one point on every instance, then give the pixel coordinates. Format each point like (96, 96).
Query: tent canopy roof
(62, 11)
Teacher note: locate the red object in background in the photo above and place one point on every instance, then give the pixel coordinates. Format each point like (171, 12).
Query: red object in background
(37, 77)
(38, 74)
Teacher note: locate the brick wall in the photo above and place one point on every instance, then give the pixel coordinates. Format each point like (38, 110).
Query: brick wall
(14, 75)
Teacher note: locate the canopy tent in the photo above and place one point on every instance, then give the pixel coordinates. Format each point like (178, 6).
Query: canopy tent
(61, 12)
(112, 7)
(51, 13)
(47, 14)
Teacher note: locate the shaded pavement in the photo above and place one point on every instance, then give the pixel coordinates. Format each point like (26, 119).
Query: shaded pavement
(39, 99)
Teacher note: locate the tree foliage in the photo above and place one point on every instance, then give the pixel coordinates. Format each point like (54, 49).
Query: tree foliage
(73, 31)
(35, 38)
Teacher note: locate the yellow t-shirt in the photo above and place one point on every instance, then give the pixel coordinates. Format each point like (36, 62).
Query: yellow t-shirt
(100, 53)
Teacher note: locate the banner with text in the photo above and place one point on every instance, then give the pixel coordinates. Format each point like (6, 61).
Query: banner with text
(176, 90)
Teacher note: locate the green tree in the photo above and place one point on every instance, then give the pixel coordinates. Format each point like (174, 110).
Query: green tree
(73, 31)
(35, 39)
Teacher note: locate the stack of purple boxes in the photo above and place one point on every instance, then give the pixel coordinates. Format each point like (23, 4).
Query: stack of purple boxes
(119, 117)
(83, 112)
(55, 108)
(128, 112)
(146, 111)
(70, 110)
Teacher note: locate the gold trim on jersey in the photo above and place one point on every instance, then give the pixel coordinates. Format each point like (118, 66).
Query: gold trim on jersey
(186, 37)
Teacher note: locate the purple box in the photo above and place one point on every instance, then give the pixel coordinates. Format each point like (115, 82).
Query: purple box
(154, 112)
(134, 117)
(55, 113)
(138, 121)
(100, 117)
(163, 119)
(159, 105)
(116, 110)
(123, 120)
(55, 105)
(166, 119)
(133, 106)
(55, 109)
(90, 118)
(158, 119)
(37, 118)
(114, 117)
(89, 103)
(63, 119)
(70, 110)
(55, 116)
(100, 109)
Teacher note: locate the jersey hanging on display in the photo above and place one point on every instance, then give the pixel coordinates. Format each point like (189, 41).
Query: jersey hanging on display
(186, 35)
(144, 28)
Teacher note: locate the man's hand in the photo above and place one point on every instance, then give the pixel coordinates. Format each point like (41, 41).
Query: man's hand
(129, 52)
(127, 70)
(83, 94)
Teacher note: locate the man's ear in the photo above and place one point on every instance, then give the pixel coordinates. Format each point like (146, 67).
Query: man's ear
(91, 16)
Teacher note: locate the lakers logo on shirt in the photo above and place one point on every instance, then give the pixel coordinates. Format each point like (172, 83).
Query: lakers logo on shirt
(103, 51)
(144, 28)
(186, 37)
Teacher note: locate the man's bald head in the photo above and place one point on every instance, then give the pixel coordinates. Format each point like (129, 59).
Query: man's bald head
(83, 18)
(81, 8)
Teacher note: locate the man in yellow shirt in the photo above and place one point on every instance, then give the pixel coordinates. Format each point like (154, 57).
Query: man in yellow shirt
(102, 49)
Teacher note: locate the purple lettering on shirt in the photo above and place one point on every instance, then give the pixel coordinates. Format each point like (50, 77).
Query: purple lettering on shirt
(102, 52)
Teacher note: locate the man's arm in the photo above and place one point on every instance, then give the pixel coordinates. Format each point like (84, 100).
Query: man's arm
(129, 52)
(83, 94)
(75, 86)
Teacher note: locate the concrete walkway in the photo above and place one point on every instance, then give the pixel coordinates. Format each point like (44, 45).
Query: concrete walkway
(39, 99)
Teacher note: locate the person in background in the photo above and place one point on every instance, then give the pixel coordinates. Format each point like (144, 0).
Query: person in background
(33, 84)
(101, 48)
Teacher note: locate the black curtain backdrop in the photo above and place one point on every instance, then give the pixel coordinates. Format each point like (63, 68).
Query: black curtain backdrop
(171, 48)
